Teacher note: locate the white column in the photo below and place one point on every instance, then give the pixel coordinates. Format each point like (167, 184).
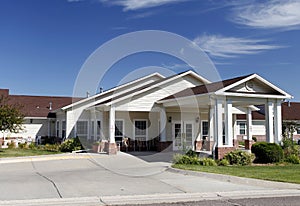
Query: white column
(277, 121)
(269, 122)
(228, 123)
(211, 123)
(249, 123)
(112, 114)
(234, 133)
(218, 123)
(163, 121)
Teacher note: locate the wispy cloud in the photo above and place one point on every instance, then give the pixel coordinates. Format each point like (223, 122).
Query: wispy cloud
(225, 47)
(176, 66)
(275, 14)
(140, 4)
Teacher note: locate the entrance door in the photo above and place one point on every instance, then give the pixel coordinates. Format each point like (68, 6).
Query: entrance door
(182, 133)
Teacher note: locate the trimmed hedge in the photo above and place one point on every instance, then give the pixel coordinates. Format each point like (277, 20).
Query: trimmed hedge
(267, 152)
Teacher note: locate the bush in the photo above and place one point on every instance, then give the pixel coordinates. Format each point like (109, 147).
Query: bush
(191, 153)
(11, 145)
(238, 157)
(22, 145)
(207, 162)
(223, 162)
(254, 139)
(294, 159)
(32, 146)
(52, 147)
(291, 150)
(70, 145)
(267, 152)
(184, 159)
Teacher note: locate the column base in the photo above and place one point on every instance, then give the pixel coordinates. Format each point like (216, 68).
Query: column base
(164, 146)
(111, 148)
(204, 145)
(220, 152)
(235, 143)
(248, 144)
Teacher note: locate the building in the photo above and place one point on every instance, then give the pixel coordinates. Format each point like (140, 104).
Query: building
(156, 112)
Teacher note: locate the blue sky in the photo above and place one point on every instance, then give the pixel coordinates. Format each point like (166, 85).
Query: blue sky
(44, 43)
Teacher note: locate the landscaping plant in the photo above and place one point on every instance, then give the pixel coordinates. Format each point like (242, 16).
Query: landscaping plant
(267, 152)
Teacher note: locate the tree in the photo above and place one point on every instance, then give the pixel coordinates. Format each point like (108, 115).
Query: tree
(11, 117)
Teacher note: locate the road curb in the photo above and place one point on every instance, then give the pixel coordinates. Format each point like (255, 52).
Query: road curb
(153, 198)
(238, 180)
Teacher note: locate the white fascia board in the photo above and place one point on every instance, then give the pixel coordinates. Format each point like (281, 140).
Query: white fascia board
(156, 85)
(205, 81)
(220, 91)
(253, 95)
(35, 118)
(182, 99)
(288, 96)
(111, 90)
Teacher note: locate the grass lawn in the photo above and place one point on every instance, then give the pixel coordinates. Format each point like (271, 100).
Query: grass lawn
(279, 173)
(23, 152)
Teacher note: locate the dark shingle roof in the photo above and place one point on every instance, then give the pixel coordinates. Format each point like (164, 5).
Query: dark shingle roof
(207, 88)
(37, 106)
(290, 111)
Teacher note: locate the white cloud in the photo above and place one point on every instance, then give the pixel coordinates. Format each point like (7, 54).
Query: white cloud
(276, 14)
(220, 46)
(140, 4)
(177, 66)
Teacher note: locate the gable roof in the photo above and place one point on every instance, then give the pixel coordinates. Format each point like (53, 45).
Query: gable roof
(206, 88)
(113, 90)
(223, 87)
(158, 83)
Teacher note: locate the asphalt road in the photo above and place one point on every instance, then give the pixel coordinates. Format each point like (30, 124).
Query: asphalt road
(274, 201)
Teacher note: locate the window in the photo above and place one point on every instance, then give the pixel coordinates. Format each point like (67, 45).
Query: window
(177, 130)
(204, 129)
(57, 129)
(63, 129)
(298, 130)
(118, 130)
(98, 130)
(140, 129)
(242, 126)
(82, 129)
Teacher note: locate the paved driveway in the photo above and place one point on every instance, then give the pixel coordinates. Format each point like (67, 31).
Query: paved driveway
(90, 175)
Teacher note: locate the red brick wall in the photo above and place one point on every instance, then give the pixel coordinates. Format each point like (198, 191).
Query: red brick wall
(221, 151)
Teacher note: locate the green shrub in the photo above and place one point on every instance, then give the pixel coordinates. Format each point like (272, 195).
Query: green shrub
(32, 146)
(294, 159)
(71, 145)
(291, 150)
(11, 145)
(22, 145)
(207, 162)
(191, 153)
(267, 152)
(52, 147)
(238, 157)
(223, 162)
(254, 139)
(184, 159)
(287, 142)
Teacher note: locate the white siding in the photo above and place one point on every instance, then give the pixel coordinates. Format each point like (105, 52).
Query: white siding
(145, 101)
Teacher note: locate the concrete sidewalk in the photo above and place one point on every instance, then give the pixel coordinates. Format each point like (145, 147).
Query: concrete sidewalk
(99, 179)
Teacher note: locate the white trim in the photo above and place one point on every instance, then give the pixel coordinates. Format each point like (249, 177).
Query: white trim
(265, 96)
(41, 118)
(157, 85)
(223, 90)
(111, 90)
